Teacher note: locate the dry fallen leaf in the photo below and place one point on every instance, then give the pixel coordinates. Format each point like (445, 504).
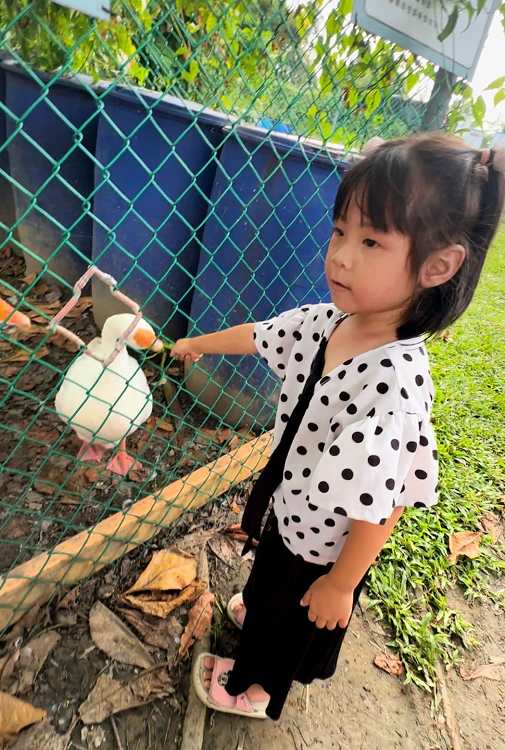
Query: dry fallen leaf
(110, 696)
(156, 632)
(161, 603)
(492, 671)
(30, 661)
(223, 549)
(162, 424)
(44, 487)
(82, 305)
(492, 526)
(16, 714)
(8, 667)
(389, 663)
(217, 436)
(234, 530)
(235, 508)
(24, 624)
(199, 620)
(111, 635)
(23, 356)
(9, 371)
(40, 736)
(168, 570)
(17, 528)
(464, 543)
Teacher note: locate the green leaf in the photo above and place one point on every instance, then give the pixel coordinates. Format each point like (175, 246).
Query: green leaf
(332, 24)
(451, 23)
(226, 102)
(190, 74)
(210, 23)
(138, 72)
(499, 97)
(479, 110)
(372, 101)
(496, 84)
(312, 111)
(345, 6)
(411, 81)
(326, 128)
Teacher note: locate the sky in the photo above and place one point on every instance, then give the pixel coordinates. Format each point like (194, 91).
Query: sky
(491, 65)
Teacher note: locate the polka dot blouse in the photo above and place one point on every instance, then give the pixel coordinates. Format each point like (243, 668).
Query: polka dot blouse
(365, 444)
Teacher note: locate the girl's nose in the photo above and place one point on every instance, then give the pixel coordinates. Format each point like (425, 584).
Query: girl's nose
(341, 256)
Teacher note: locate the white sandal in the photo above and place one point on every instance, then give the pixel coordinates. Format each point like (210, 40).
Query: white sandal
(216, 698)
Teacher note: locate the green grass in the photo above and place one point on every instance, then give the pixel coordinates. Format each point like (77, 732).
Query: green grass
(408, 587)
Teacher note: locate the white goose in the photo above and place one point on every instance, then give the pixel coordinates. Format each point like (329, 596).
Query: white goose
(106, 404)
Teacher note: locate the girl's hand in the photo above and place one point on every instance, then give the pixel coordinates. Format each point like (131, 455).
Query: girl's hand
(328, 605)
(184, 349)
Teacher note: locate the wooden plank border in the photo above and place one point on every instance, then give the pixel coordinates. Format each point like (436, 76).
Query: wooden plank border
(33, 582)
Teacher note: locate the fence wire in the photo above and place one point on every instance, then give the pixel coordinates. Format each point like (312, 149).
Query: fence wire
(191, 151)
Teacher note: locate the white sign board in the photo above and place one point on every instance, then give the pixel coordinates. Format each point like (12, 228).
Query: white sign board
(96, 8)
(416, 25)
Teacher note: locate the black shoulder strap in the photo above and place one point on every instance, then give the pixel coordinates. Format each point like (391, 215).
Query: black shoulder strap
(271, 475)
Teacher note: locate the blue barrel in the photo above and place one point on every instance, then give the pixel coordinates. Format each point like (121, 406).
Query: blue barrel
(53, 202)
(157, 158)
(263, 253)
(7, 210)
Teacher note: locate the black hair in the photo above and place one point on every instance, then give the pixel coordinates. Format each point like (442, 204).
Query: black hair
(433, 188)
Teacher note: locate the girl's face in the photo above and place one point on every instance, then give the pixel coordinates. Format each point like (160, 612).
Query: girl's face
(367, 270)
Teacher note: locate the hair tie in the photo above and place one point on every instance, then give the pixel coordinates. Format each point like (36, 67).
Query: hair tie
(485, 156)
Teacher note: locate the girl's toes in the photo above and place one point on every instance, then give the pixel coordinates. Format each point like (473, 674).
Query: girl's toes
(206, 680)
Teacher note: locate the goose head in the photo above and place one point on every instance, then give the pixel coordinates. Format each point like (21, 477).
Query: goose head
(142, 336)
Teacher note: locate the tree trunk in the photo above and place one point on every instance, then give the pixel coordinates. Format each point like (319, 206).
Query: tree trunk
(437, 106)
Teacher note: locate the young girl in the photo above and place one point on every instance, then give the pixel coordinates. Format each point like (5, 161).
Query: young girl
(353, 441)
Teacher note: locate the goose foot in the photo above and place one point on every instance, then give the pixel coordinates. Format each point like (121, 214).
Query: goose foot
(121, 463)
(90, 452)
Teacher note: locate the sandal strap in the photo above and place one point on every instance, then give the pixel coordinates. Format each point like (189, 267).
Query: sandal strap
(217, 691)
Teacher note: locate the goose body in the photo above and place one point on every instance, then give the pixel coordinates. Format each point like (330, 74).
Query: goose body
(104, 405)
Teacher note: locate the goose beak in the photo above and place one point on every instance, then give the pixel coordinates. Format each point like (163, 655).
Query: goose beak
(157, 346)
(12, 317)
(143, 338)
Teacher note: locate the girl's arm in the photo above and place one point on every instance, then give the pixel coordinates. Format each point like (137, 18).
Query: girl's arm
(330, 597)
(235, 340)
(362, 546)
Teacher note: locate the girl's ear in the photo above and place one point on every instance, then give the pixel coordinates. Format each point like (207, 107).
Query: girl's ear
(441, 266)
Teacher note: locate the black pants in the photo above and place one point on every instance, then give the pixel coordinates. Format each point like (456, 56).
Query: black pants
(278, 642)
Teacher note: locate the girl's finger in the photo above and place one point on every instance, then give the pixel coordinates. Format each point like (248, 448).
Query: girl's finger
(331, 624)
(320, 623)
(343, 622)
(305, 601)
(312, 616)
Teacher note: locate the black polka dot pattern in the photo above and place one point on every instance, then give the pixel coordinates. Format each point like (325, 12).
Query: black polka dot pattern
(365, 444)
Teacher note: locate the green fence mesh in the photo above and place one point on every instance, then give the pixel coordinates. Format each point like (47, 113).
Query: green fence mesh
(192, 150)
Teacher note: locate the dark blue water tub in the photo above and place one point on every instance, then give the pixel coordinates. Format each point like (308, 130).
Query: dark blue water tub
(158, 158)
(7, 210)
(55, 225)
(263, 252)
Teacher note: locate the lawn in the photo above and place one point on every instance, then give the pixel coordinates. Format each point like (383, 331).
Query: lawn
(408, 587)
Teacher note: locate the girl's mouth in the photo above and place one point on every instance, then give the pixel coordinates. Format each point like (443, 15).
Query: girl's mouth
(338, 285)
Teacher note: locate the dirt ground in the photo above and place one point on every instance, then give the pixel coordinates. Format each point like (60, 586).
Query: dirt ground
(364, 708)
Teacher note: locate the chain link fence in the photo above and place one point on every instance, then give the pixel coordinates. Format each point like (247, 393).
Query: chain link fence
(191, 151)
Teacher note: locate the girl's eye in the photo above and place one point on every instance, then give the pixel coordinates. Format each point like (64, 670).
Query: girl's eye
(373, 242)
